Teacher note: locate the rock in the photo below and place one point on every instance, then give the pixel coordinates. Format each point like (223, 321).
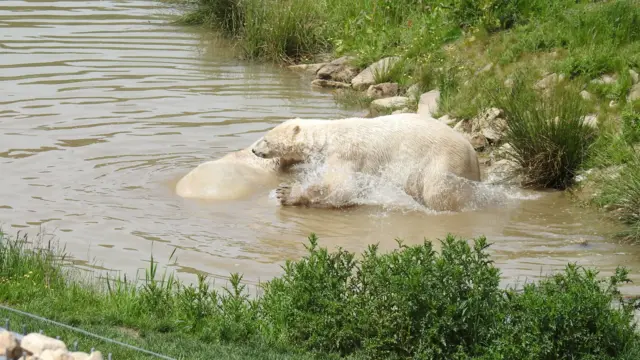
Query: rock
(447, 120)
(382, 90)
(508, 83)
(478, 141)
(80, 356)
(591, 120)
(548, 81)
(391, 103)
(490, 124)
(58, 354)
(501, 153)
(36, 343)
(634, 94)
(96, 355)
(504, 172)
(413, 91)
(486, 68)
(463, 126)
(586, 95)
(635, 78)
(368, 76)
(613, 104)
(605, 79)
(428, 104)
(9, 346)
(338, 70)
(401, 111)
(330, 84)
(311, 68)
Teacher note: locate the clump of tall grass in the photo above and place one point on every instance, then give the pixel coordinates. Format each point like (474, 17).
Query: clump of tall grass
(546, 129)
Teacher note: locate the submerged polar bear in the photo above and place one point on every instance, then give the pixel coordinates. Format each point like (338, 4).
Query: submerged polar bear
(233, 176)
(431, 162)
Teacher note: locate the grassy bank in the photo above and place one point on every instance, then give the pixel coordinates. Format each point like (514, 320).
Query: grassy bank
(409, 303)
(473, 51)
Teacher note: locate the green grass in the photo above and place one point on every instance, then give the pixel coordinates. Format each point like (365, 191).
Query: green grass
(412, 302)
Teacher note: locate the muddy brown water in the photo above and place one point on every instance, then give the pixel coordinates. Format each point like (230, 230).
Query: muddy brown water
(104, 105)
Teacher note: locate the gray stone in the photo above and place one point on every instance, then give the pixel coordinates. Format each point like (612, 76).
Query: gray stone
(634, 76)
(634, 94)
(36, 343)
(591, 120)
(447, 120)
(613, 104)
(382, 90)
(330, 84)
(490, 124)
(368, 76)
(501, 153)
(478, 141)
(463, 127)
(486, 68)
(338, 70)
(310, 68)
(586, 95)
(508, 83)
(401, 111)
(605, 79)
(504, 172)
(58, 354)
(389, 104)
(428, 105)
(548, 81)
(414, 91)
(9, 346)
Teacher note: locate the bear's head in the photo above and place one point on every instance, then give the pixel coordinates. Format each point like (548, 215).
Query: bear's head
(284, 141)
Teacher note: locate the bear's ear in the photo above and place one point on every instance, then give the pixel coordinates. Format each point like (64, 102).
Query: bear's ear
(296, 129)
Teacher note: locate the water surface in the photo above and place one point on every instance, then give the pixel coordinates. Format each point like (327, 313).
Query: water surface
(104, 105)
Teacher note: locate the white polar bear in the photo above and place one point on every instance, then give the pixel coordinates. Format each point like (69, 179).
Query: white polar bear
(235, 175)
(431, 162)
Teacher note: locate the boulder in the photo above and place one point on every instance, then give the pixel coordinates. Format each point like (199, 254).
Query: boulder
(368, 76)
(635, 78)
(478, 141)
(382, 90)
(390, 104)
(9, 346)
(500, 153)
(463, 126)
(591, 120)
(58, 354)
(428, 105)
(36, 343)
(586, 95)
(548, 81)
(338, 70)
(413, 91)
(402, 111)
(310, 68)
(447, 120)
(634, 94)
(504, 172)
(605, 79)
(330, 84)
(490, 124)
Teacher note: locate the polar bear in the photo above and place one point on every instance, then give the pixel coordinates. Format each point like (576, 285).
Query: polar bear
(431, 162)
(236, 175)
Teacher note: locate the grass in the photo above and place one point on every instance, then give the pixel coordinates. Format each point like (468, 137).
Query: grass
(412, 302)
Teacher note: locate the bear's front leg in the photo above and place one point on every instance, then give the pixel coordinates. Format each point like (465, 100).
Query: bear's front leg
(296, 195)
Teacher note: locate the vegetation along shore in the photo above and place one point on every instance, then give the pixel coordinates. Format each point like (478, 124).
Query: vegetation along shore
(547, 91)
(410, 303)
